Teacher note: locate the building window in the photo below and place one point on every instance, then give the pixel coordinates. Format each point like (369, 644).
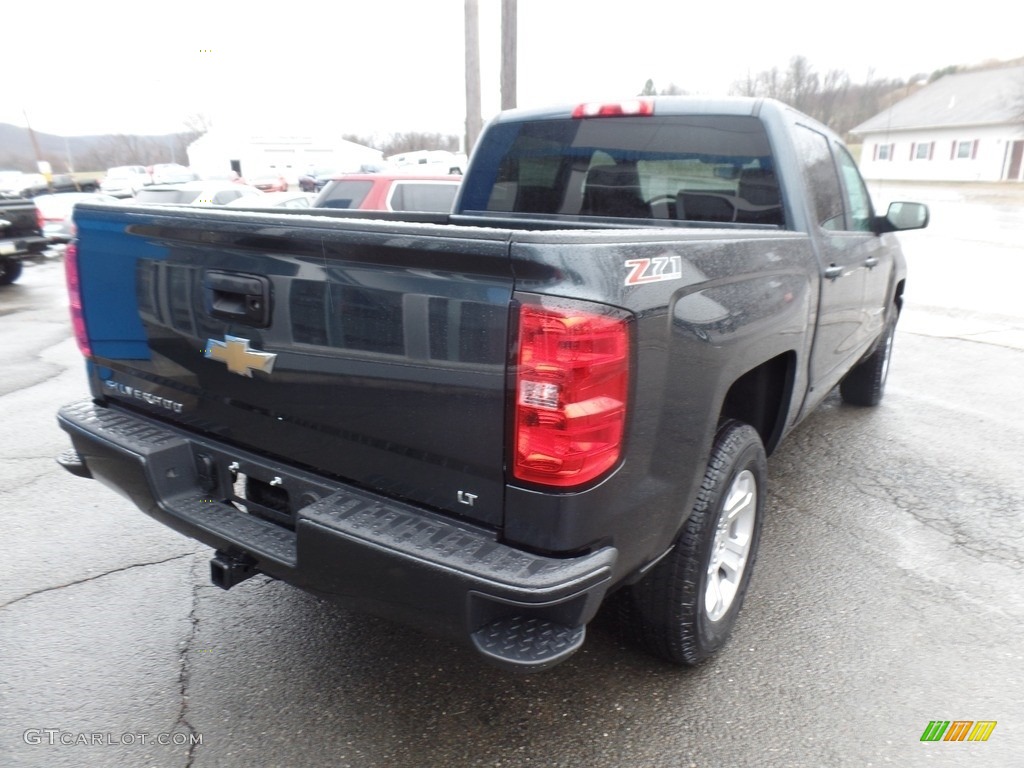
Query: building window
(922, 151)
(883, 151)
(966, 150)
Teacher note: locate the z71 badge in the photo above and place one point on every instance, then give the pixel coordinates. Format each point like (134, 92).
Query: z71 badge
(654, 270)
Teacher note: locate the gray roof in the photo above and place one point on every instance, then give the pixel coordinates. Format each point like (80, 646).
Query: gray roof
(988, 97)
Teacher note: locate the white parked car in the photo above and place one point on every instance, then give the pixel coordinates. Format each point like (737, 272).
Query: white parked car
(276, 200)
(18, 183)
(56, 211)
(11, 181)
(197, 193)
(172, 173)
(125, 180)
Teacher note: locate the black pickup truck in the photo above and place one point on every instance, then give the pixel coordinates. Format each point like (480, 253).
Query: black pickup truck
(486, 422)
(21, 236)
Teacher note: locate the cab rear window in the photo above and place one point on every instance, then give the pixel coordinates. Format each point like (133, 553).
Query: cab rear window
(716, 169)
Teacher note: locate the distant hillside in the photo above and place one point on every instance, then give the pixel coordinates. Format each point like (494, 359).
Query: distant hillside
(88, 153)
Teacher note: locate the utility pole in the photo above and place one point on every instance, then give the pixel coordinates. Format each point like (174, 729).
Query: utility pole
(474, 119)
(35, 146)
(509, 43)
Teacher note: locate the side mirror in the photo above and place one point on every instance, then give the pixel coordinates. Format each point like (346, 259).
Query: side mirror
(903, 216)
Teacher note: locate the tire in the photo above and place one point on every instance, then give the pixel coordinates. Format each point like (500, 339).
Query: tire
(685, 609)
(865, 383)
(10, 270)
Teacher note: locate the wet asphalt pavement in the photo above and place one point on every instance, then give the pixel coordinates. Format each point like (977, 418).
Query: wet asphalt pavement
(889, 589)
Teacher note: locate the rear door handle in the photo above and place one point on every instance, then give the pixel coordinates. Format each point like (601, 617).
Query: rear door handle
(238, 297)
(871, 262)
(833, 272)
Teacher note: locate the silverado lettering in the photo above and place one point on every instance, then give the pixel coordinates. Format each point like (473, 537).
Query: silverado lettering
(146, 397)
(486, 423)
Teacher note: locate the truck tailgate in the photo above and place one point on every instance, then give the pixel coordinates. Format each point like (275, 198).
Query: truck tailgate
(370, 351)
(19, 227)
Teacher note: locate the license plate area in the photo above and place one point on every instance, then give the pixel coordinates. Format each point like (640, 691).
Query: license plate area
(255, 488)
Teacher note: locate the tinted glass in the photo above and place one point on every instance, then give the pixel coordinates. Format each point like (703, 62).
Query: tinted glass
(685, 168)
(345, 194)
(222, 198)
(434, 197)
(858, 201)
(822, 180)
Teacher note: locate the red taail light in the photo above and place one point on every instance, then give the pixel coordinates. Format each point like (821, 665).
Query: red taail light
(571, 392)
(630, 108)
(72, 276)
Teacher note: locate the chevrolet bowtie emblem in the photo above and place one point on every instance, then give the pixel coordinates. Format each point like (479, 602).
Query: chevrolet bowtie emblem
(239, 358)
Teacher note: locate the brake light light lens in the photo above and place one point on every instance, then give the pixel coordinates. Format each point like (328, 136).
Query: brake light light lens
(40, 219)
(73, 278)
(572, 383)
(629, 108)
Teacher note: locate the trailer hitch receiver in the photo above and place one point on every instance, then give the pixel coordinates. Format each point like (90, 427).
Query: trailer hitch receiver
(228, 570)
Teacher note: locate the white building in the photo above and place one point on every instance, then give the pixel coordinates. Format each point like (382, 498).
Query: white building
(250, 153)
(965, 127)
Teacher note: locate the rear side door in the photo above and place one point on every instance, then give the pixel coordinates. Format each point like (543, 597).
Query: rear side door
(846, 249)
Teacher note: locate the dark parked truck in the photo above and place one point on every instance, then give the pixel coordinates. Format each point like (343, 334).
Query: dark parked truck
(21, 235)
(487, 422)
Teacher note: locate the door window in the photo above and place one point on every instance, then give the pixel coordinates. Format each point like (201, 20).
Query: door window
(826, 193)
(857, 199)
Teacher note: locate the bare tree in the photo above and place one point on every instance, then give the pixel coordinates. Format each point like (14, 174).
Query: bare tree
(129, 149)
(671, 90)
(832, 99)
(397, 143)
(801, 86)
(198, 123)
(747, 87)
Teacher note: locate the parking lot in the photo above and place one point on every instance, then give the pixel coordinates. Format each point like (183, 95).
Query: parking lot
(888, 593)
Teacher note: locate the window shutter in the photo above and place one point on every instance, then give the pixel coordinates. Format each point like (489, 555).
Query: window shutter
(974, 150)
(952, 151)
(931, 150)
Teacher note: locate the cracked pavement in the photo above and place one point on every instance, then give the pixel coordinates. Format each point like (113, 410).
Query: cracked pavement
(888, 592)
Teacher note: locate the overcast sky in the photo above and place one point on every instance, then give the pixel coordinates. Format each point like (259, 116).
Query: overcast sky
(381, 66)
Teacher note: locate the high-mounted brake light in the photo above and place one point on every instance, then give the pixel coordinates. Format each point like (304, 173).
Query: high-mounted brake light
(630, 108)
(572, 385)
(73, 278)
